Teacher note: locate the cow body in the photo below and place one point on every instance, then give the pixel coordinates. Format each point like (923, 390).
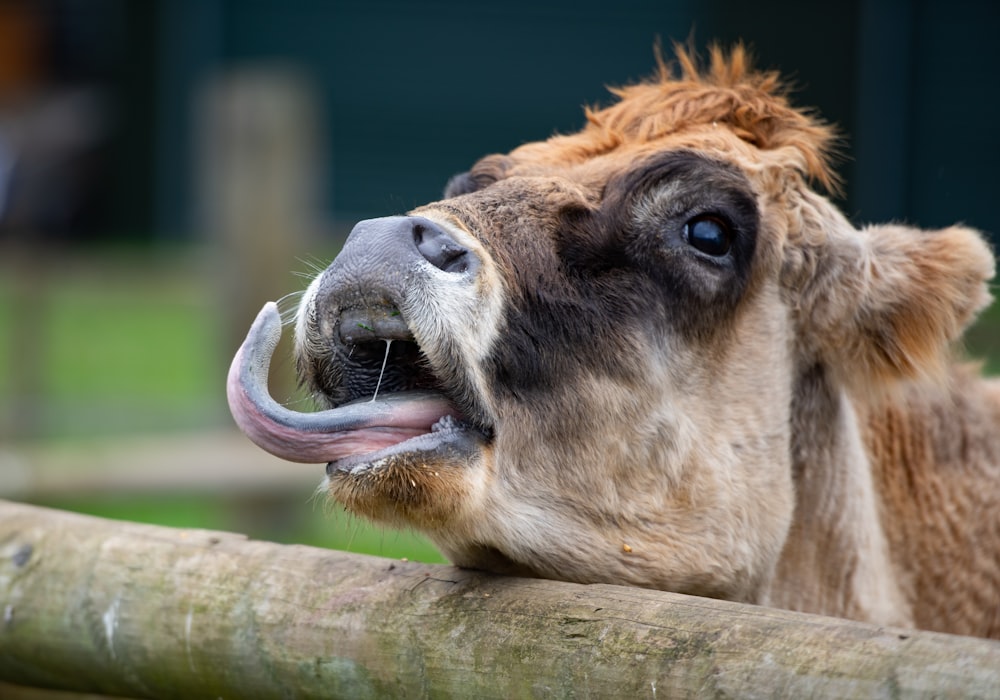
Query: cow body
(650, 353)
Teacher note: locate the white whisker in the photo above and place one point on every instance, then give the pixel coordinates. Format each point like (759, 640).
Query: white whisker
(298, 400)
(388, 344)
(314, 266)
(288, 307)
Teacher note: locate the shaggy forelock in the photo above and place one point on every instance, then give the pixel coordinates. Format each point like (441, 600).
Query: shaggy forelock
(687, 96)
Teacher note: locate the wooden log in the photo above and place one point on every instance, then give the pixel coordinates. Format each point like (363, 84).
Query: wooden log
(93, 605)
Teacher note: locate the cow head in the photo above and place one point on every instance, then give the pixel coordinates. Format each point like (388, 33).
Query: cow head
(584, 361)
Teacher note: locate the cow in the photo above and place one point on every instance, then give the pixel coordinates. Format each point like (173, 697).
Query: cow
(654, 353)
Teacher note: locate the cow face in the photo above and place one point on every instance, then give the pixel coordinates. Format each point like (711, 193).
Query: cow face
(583, 362)
(605, 418)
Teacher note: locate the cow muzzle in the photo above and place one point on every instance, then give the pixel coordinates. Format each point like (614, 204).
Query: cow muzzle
(360, 348)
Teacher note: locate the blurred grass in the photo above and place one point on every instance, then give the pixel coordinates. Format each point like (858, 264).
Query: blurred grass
(123, 341)
(262, 518)
(982, 340)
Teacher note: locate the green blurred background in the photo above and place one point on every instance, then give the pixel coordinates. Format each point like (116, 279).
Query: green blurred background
(166, 166)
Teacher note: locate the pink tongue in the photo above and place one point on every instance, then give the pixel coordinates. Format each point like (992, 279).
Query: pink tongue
(323, 436)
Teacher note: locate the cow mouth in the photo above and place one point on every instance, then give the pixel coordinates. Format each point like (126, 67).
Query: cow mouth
(388, 403)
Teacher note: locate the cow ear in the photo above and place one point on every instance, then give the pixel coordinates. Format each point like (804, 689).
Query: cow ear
(888, 302)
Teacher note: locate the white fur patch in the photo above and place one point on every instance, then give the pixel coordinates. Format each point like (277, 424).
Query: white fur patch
(449, 307)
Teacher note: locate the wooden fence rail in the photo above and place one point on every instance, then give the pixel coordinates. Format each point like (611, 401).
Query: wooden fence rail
(93, 605)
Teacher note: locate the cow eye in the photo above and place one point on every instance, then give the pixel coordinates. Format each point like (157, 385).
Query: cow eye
(709, 234)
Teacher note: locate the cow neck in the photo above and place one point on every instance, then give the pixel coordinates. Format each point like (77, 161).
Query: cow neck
(836, 536)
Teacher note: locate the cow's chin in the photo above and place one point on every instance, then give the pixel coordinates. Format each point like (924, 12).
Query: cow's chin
(426, 482)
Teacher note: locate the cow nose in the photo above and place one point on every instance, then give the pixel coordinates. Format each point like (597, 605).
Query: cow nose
(439, 248)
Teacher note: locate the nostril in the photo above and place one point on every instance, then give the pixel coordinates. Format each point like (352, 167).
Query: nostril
(440, 249)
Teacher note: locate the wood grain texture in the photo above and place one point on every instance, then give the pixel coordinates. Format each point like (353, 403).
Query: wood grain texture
(93, 605)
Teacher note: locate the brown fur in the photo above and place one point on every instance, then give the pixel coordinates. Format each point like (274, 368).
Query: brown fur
(784, 427)
(936, 463)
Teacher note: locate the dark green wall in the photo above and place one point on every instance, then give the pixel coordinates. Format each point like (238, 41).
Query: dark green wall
(416, 91)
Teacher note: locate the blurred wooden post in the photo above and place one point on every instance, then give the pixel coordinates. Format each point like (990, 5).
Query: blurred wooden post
(259, 150)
